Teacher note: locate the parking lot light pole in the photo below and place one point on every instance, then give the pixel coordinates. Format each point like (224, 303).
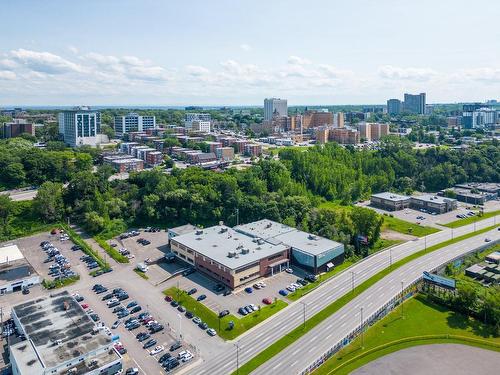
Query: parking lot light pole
(180, 326)
(304, 314)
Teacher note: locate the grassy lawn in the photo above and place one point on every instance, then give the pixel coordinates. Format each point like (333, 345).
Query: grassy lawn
(322, 278)
(298, 332)
(141, 274)
(212, 319)
(471, 219)
(383, 243)
(401, 226)
(438, 321)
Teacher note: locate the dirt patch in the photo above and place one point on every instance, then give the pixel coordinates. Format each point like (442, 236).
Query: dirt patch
(389, 234)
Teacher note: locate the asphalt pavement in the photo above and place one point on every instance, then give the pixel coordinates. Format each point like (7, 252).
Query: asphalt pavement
(299, 355)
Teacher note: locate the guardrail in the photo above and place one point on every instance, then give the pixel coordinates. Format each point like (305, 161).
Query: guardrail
(383, 311)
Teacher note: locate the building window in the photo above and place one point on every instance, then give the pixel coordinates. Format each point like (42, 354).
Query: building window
(275, 256)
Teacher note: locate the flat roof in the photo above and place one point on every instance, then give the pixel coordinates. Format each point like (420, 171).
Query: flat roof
(183, 229)
(264, 229)
(45, 321)
(391, 196)
(126, 161)
(467, 192)
(308, 243)
(216, 242)
(433, 198)
(485, 186)
(10, 253)
(475, 268)
(17, 270)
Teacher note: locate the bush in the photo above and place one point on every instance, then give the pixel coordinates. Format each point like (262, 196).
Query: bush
(112, 252)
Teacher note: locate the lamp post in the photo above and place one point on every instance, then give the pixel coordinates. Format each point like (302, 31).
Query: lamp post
(304, 314)
(237, 357)
(352, 281)
(180, 326)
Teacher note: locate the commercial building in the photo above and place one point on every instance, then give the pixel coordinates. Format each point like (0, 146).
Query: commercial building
(133, 123)
(433, 203)
(236, 256)
(390, 201)
(80, 126)
(414, 103)
(17, 127)
(313, 253)
(61, 339)
(488, 273)
(469, 196)
(394, 106)
(275, 106)
(485, 187)
(473, 117)
(493, 257)
(180, 230)
(15, 271)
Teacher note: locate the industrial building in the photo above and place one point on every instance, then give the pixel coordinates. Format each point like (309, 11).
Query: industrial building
(390, 201)
(236, 256)
(469, 196)
(60, 339)
(485, 187)
(15, 271)
(433, 203)
(489, 273)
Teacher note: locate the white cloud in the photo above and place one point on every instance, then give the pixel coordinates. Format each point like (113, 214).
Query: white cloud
(245, 47)
(296, 60)
(44, 62)
(412, 74)
(7, 75)
(487, 75)
(73, 49)
(196, 70)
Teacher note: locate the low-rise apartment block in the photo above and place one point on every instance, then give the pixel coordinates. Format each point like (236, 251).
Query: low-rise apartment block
(253, 149)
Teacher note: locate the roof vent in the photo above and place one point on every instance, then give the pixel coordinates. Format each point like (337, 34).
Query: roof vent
(230, 254)
(312, 237)
(260, 241)
(199, 231)
(223, 230)
(245, 251)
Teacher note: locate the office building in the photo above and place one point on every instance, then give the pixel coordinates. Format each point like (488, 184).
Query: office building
(433, 203)
(275, 106)
(80, 126)
(482, 117)
(390, 201)
(394, 106)
(469, 196)
(133, 123)
(414, 103)
(15, 271)
(61, 339)
(16, 127)
(486, 187)
(344, 136)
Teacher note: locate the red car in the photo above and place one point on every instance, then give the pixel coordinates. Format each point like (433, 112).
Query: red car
(168, 298)
(267, 301)
(85, 306)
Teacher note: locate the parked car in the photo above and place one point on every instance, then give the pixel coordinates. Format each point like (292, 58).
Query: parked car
(174, 303)
(211, 332)
(248, 289)
(192, 291)
(149, 343)
(176, 345)
(116, 324)
(267, 301)
(189, 314)
(201, 298)
(135, 309)
(223, 313)
(196, 320)
(168, 298)
(242, 311)
(131, 304)
(189, 271)
(181, 308)
(157, 349)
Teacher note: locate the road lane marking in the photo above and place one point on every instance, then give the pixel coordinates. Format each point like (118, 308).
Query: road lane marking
(314, 338)
(343, 324)
(294, 363)
(278, 365)
(296, 351)
(310, 350)
(343, 316)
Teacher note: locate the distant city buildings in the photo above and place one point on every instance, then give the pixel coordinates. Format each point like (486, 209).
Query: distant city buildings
(16, 127)
(314, 119)
(80, 126)
(273, 106)
(198, 122)
(133, 123)
(478, 115)
(414, 104)
(394, 106)
(372, 131)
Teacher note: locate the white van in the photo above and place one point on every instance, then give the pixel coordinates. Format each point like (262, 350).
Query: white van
(142, 267)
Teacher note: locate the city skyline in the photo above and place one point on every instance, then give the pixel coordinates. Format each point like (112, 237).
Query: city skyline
(153, 53)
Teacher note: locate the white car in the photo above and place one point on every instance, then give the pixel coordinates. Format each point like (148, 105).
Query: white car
(116, 324)
(211, 332)
(290, 288)
(187, 357)
(262, 284)
(254, 308)
(149, 324)
(107, 331)
(288, 270)
(112, 300)
(157, 350)
(130, 256)
(296, 286)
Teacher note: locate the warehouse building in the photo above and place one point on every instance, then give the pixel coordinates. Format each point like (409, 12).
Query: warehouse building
(15, 271)
(469, 196)
(60, 339)
(433, 203)
(390, 201)
(313, 253)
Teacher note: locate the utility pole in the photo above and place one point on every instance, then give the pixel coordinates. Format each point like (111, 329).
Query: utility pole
(304, 314)
(352, 281)
(237, 357)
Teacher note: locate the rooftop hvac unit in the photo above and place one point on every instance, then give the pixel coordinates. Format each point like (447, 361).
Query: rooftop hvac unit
(230, 254)
(312, 237)
(245, 251)
(223, 230)
(199, 231)
(260, 241)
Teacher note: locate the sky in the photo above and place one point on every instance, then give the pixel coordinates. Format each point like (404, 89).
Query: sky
(237, 52)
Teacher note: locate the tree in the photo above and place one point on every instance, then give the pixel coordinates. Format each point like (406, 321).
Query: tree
(13, 175)
(6, 210)
(108, 131)
(94, 222)
(48, 203)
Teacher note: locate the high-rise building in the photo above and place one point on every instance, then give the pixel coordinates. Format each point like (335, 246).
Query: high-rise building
(80, 126)
(394, 106)
(372, 131)
(133, 123)
(275, 105)
(478, 116)
(314, 119)
(198, 122)
(322, 135)
(414, 103)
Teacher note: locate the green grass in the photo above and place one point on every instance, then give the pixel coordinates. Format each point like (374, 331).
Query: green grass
(393, 333)
(141, 274)
(321, 279)
(112, 252)
(298, 332)
(212, 319)
(383, 243)
(53, 284)
(471, 219)
(402, 226)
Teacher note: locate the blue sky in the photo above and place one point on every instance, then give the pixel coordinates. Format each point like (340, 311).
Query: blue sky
(230, 52)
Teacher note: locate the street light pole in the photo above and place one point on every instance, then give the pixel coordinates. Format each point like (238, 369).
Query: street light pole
(402, 300)
(304, 314)
(180, 326)
(237, 357)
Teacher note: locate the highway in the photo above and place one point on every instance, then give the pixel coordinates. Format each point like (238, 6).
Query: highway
(296, 357)
(21, 195)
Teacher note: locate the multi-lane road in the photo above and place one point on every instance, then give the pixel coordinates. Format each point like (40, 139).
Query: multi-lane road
(300, 354)
(21, 195)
